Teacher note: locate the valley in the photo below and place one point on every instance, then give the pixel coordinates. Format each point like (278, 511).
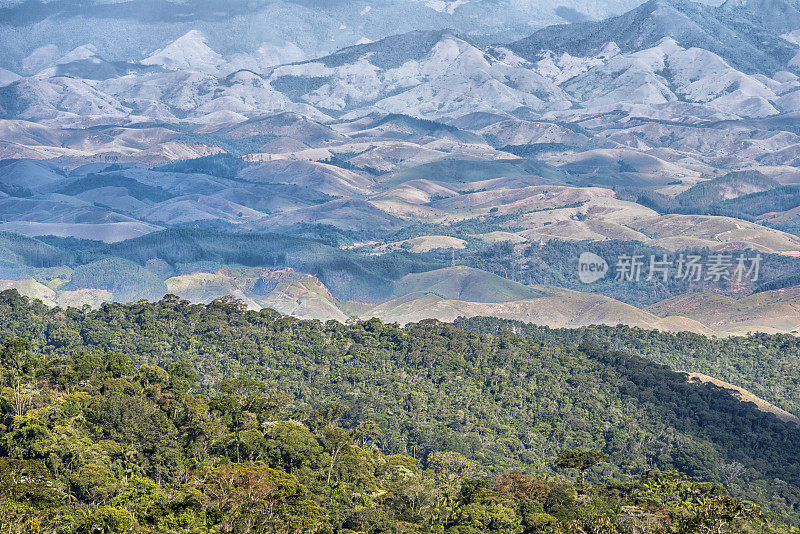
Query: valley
(399, 266)
(421, 152)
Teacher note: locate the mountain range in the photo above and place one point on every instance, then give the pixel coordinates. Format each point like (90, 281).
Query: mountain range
(670, 59)
(483, 236)
(35, 31)
(389, 177)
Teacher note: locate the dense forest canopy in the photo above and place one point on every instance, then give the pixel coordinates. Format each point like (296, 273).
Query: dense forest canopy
(765, 364)
(504, 402)
(95, 444)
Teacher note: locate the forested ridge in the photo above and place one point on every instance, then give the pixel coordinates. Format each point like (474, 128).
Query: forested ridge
(138, 267)
(507, 403)
(765, 364)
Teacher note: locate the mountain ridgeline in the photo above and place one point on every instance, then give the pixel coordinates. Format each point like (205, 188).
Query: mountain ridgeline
(504, 402)
(745, 34)
(248, 251)
(322, 185)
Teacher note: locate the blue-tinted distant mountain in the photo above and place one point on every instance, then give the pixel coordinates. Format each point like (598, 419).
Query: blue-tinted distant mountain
(422, 74)
(778, 15)
(389, 53)
(688, 59)
(242, 26)
(419, 144)
(743, 35)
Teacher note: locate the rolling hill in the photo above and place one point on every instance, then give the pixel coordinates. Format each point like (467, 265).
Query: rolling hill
(465, 284)
(374, 165)
(777, 310)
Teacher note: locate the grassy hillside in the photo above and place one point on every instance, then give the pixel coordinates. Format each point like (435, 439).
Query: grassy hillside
(555, 263)
(746, 195)
(18, 251)
(126, 280)
(464, 283)
(551, 306)
(347, 274)
(724, 188)
(488, 271)
(776, 309)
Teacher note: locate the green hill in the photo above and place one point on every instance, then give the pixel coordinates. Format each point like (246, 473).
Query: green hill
(127, 281)
(761, 363)
(18, 251)
(730, 186)
(508, 403)
(349, 275)
(783, 198)
(94, 443)
(465, 283)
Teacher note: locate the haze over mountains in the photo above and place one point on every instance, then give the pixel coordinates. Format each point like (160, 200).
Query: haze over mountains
(670, 59)
(481, 236)
(456, 169)
(34, 31)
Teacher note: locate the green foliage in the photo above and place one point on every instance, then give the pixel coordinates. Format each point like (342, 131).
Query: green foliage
(92, 478)
(452, 467)
(126, 280)
(580, 459)
(215, 384)
(761, 363)
(219, 165)
(710, 192)
(25, 480)
(106, 520)
(18, 251)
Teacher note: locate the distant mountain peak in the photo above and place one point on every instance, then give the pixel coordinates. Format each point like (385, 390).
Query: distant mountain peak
(445, 6)
(80, 53)
(390, 52)
(188, 52)
(778, 15)
(743, 32)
